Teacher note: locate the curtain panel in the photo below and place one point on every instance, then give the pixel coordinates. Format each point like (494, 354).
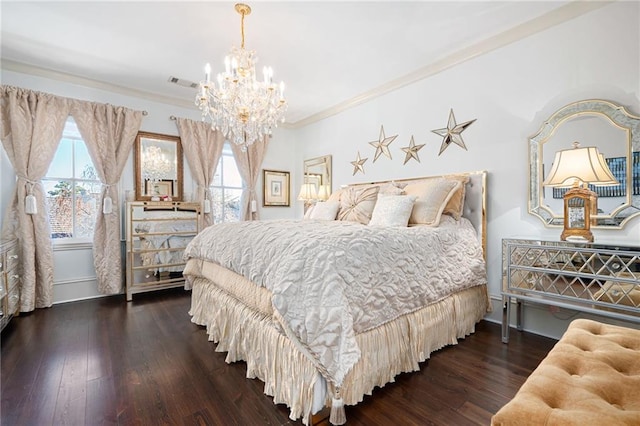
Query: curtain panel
(249, 161)
(31, 127)
(109, 133)
(202, 147)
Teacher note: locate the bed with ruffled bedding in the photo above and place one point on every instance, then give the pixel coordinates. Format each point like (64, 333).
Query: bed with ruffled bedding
(324, 310)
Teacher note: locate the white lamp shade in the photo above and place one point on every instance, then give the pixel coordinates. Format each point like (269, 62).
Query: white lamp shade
(579, 165)
(323, 192)
(307, 192)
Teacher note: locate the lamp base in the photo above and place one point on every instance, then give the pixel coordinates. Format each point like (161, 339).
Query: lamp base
(579, 205)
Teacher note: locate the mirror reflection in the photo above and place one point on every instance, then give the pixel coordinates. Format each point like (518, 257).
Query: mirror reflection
(317, 175)
(598, 123)
(158, 163)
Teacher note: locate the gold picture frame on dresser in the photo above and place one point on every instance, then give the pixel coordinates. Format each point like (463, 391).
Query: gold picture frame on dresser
(156, 236)
(9, 281)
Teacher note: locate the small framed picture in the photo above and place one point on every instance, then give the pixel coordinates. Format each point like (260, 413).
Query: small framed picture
(275, 188)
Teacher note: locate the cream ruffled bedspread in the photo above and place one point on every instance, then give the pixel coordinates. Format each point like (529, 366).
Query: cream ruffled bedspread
(333, 279)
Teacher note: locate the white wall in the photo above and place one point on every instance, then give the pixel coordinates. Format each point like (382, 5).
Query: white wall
(510, 92)
(74, 275)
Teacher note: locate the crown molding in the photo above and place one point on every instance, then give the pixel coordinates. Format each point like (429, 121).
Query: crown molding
(20, 67)
(558, 16)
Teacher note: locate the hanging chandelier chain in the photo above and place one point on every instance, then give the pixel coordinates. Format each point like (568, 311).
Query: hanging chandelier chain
(242, 29)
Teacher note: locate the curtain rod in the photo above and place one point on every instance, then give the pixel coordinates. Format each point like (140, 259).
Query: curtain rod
(145, 113)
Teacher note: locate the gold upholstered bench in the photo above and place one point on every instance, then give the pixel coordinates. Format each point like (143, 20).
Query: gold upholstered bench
(590, 377)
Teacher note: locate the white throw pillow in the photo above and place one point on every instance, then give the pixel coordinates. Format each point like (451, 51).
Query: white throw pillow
(325, 210)
(392, 210)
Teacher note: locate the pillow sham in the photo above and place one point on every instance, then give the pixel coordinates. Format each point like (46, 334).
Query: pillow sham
(392, 210)
(325, 210)
(456, 204)
(393, 188)
(432, 197)
(356, 205)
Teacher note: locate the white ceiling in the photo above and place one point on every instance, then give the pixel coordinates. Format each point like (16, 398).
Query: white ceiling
(327, 53)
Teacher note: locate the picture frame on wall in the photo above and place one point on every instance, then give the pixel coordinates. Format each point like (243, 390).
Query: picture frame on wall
(275, 188)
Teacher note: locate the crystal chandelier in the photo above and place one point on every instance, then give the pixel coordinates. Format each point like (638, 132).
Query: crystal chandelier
(239, 105)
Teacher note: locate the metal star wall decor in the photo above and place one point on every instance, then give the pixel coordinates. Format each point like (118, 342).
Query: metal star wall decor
(452, 133)
(411, 151)
(382, 145)
(358, 164)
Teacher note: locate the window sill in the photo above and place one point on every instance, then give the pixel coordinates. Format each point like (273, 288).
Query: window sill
(72, 244)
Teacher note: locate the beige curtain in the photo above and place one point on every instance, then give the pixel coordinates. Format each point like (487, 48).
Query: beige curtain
(202, 148)
(109, 133)
(31, 128)
(249, 162)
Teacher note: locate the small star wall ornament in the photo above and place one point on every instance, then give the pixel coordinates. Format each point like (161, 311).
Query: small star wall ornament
(382, 145)
(452, 133)
(358, 164)
(411, 151)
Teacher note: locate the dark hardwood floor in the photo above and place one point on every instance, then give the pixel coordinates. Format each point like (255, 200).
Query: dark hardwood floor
(108, 362)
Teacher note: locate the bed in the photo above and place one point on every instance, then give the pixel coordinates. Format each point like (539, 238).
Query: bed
(325, 309)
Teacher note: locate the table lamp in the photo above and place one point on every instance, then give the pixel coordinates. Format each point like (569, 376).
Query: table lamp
(576, 168)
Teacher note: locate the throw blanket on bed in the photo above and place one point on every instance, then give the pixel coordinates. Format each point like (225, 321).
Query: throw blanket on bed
(332, 279)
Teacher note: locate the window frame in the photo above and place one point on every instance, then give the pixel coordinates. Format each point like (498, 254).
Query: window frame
(70, 242)
(228, 152)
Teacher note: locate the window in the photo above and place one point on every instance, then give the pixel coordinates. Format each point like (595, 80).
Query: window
(226, 189)
(71, 187)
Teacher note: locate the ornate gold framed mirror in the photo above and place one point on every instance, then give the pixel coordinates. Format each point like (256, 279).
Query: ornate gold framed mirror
(593, 122)
(158, 167)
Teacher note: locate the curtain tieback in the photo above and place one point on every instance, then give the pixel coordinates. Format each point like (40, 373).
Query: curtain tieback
(30, 204)
(107, 202)
(206, 204)
(252, 196)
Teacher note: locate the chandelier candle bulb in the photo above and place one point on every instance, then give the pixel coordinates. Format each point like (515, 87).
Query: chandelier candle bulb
(207, 72)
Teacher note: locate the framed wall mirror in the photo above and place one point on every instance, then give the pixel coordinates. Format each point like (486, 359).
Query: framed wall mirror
(593, 122)
(158, 167)
(317, 172)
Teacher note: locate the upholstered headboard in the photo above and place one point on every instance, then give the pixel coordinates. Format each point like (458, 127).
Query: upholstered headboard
(474, 203)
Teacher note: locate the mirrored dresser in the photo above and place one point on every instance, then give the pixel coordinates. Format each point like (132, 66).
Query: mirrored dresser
(9, 281)
(156, 236)
(602, 279)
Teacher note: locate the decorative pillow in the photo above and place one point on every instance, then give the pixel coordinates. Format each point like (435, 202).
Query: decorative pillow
(356, 205)
(392, 188)
(433, 195)
(456, 203)
(325, 210)
(335, 196)
(392, 210)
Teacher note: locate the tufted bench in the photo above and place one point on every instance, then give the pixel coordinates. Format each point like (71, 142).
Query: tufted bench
(590, 377)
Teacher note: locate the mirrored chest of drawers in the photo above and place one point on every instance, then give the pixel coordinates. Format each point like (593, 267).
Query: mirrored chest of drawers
(157, 234)
(601, 279)
(9, 281)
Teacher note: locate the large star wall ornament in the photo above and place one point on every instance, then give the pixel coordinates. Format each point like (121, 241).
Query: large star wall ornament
(382, 145)
(452, 133)
(411, 151)
(358, 164)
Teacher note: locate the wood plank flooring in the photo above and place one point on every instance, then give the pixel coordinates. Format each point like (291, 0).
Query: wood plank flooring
(109, 362)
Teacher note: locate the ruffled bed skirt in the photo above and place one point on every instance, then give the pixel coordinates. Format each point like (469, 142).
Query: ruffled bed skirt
(289, 376)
